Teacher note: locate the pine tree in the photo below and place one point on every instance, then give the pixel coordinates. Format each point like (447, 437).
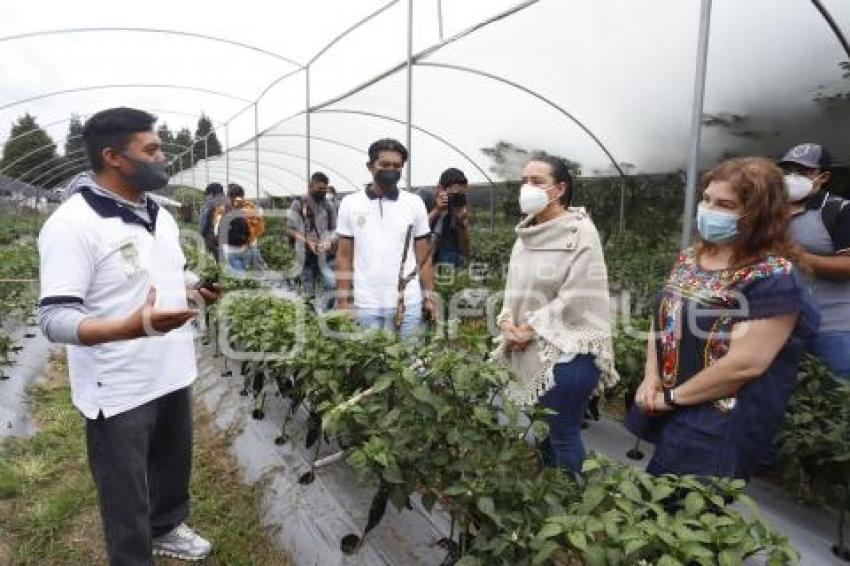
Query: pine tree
(213, 147)
(167, 139)
(30, 153)
(182, 143)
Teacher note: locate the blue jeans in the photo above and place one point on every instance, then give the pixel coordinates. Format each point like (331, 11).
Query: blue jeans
(833, 348)
(384, 317)
(450, 258)
(574, 383)
(311, 273)
(240, 261)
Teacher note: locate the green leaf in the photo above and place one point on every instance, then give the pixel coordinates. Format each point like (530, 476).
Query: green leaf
(428, 501)
(728, 558)
(668, 560)
(485, 505)
(550, 530)
(545, 551)
(694, 504)
(631, 491)
(578, 540)
(634, 545)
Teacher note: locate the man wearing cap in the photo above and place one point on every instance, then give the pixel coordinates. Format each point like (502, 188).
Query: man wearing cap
(820, 225)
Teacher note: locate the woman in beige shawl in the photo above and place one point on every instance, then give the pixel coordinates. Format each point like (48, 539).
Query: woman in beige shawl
(555, 322)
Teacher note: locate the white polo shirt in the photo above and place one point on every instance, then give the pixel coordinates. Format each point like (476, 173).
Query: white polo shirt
(97, 253)
(378, 227)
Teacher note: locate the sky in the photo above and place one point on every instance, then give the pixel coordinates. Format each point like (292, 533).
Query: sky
(624, 69)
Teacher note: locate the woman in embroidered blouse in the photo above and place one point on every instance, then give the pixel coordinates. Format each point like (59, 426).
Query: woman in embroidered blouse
(556, 331)
(731, 325)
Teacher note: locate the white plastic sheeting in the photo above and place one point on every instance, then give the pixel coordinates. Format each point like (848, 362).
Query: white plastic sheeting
(622, 69)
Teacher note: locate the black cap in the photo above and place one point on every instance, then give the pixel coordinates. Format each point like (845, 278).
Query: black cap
(811, 155)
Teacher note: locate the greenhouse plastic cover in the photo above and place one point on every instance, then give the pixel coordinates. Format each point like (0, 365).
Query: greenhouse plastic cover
(621, 74)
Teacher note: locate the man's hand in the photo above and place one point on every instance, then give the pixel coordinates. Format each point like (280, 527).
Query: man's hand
(200, 296)
(430, 309)
(147, 321)
(463, 217)
(313, 247)
(442, 201)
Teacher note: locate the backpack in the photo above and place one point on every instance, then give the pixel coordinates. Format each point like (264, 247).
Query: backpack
(238, 231)
(304, 212)
(830, 210)
(256, 225)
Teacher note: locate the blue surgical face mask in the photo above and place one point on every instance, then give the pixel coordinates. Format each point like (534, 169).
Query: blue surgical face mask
(716, 227)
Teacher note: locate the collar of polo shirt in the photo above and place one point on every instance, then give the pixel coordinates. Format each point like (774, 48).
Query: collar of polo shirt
(106, 207)
(390, 195)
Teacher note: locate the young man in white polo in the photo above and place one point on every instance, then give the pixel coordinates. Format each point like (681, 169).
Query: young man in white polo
(372, 229)
(113, 288)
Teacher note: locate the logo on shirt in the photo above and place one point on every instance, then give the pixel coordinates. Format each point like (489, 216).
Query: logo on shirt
(130, 258)
(360, 220)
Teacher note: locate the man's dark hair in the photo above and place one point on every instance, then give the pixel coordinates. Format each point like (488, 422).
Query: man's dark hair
(386, 144)
(561, 173)
(113, 128)
(319, 177)
(235, 191)
(451, 177)
(214, 189)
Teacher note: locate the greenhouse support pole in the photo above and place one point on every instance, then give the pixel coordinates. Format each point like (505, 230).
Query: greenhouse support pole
(192, 162)
(492, 208)
(307, 128)
(227, 153)
(696, 123)
(257, 150)
(440, 17)
(622, 206)
(207, 157)
(409, 94)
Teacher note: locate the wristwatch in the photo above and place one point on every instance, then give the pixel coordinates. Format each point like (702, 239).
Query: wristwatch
(670, 397)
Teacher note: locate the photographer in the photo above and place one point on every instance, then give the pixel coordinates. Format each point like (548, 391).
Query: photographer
(448, 216)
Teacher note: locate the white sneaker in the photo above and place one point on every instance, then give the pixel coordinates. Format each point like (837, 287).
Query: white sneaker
(182, 543)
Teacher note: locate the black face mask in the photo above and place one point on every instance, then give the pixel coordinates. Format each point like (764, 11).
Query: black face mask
(146, 175)
(387, 179)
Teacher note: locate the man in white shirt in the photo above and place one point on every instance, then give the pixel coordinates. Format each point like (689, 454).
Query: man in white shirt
(113, 288)
(372, 228)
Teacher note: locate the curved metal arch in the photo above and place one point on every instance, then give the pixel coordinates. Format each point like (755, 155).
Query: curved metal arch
(40, 178)
(330, 44)
(21, 177)
(427, 51)
(65, 139)
(153, 30)
(244, 177)
(319, 138)
(157, 111)
(103, 87)
(833, 25)
(262, 164)
(301, 157)
(350, 29)
(418, 129)
(536, 95)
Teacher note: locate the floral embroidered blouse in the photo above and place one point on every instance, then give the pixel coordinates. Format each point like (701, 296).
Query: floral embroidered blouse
(694, 316)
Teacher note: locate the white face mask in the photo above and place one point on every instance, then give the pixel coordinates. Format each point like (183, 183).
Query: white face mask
(532, 199)
(798, 186)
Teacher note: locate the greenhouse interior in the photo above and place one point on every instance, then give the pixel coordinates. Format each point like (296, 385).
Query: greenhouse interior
(439, 282)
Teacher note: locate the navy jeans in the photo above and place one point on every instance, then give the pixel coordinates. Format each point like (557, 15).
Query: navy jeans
(141, 461)
(574, 383)
(833, 348)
